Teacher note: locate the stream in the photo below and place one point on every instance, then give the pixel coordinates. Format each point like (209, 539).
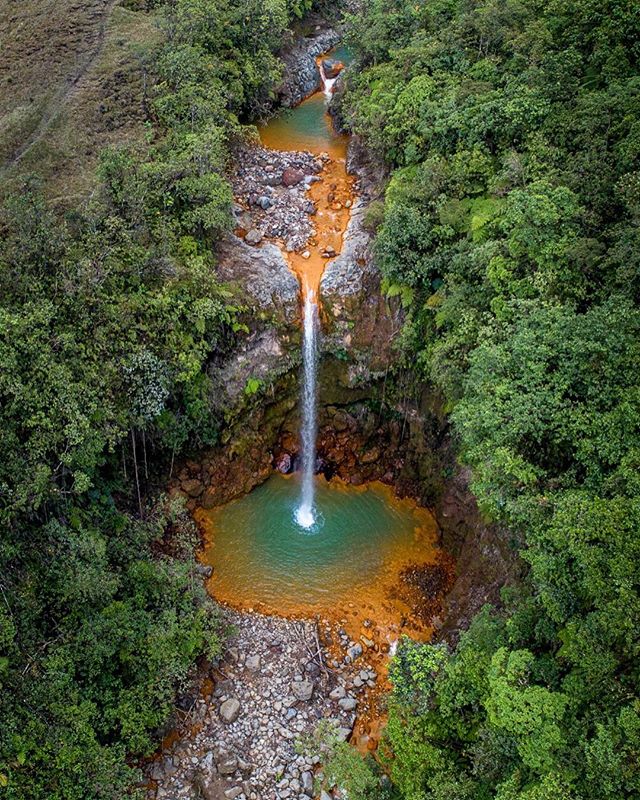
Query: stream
(317, 579)
(302, 545)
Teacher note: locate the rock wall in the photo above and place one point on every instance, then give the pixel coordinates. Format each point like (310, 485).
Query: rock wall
(486, 556)
(368, 428)
(301, 72)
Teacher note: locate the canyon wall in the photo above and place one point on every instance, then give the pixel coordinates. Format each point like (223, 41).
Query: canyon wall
(368, 430)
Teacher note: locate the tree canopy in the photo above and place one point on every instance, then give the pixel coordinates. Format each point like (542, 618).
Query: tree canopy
(510, 229)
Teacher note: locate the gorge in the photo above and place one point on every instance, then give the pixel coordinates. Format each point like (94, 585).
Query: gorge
(319, 431)
(350, 564)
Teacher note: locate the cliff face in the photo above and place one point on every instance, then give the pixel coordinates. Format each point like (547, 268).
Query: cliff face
(301, 77)
(367, 429)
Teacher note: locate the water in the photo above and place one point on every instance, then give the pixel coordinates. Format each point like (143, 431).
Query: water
(308, 126)
(328, 84)
(306, 513)
(341, 53)
(305, 127)
(360, 539)
(300, 545)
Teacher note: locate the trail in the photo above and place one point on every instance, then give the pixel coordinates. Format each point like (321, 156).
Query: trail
(66, 92)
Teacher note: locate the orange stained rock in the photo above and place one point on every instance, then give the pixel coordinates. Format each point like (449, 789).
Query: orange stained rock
(331, 194)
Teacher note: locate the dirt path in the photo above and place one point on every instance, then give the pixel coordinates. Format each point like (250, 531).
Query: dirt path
(65, 93)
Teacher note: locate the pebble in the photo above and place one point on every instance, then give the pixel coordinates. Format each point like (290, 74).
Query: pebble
(302, 690)
(355, 651)
(348, 703)
(254, 236)
(253, 663)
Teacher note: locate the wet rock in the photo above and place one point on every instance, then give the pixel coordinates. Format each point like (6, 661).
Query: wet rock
(292, 177)
(284, 463)
(193, 487)
(206, 570)
(371, 456)
(230, 710)
(332, 68)
(355, 651)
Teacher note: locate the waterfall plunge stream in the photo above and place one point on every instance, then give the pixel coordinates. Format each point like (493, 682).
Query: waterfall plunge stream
(305, 513)
(310, 127)
(328, 84)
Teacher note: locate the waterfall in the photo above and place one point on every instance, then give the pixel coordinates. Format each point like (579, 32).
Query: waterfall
(327, 83)
(305, 513)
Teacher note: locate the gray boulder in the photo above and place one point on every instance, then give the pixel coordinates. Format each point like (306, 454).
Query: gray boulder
(230, 710)
(302, 690)
(253, 663)
(347, 703)
(253, 237)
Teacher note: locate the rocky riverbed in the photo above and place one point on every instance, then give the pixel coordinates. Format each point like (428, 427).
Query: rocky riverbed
(270, 187)
(276, 682)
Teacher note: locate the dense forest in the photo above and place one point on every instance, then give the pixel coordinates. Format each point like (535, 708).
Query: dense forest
(509, 229)
(109, 315)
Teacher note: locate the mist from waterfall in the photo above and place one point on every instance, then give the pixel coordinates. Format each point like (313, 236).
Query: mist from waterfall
(306, 512)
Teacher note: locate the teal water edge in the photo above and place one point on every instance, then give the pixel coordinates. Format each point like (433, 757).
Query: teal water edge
(305, 127)
(308, 126)
(261, 555)
(341, 53)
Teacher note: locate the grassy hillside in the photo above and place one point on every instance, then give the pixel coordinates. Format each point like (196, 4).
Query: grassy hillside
(72, 82)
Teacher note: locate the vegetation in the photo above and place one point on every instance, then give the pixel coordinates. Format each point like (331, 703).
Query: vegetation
(110, 318)
(511, 231)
